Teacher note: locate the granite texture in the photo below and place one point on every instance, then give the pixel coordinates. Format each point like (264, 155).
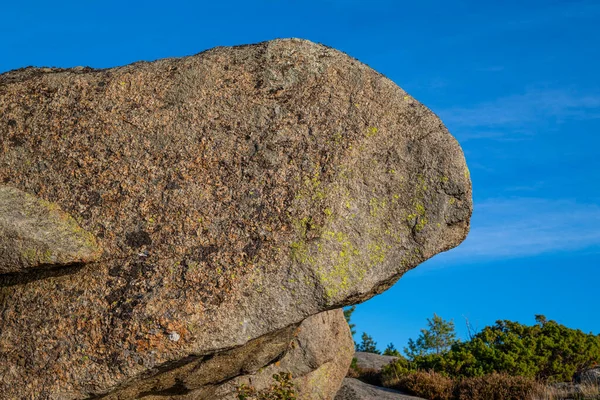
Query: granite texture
(233, 194)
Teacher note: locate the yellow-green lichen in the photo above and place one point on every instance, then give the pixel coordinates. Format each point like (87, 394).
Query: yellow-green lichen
(337, 137)
(29, 255)
(377, 206)
(418, 217)
(342, 265)
(421, 224)
(377, 253)
(314, 186)
(372, 131)
(299, 252)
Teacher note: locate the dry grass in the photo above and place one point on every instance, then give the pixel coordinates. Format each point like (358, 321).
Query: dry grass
(583, 391)
(429, 385)
(433, 386)
(497, 387)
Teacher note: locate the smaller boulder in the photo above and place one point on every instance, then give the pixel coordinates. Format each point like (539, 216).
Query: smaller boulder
(317, 354)
(318, 359)
(589, 376)
(353, 389)
(372, 361)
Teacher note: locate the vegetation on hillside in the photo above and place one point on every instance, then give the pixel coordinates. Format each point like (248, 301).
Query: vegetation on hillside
(507, 360)
(547, 351)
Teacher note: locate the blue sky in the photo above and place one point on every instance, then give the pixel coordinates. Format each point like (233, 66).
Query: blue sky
(515, 81)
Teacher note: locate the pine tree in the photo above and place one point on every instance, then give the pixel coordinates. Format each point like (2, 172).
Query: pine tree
(368, 345)
(436, 340)
(391, 350)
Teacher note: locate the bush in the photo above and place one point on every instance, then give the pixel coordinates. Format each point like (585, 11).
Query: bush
(546, 351)
(506, 361)
(497, 387)
(429, 385)
(436, 386)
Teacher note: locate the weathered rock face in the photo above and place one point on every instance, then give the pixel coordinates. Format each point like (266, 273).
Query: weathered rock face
(318, 359)
(233, 194)
(317, 353)
(590, 376)
(35, 233)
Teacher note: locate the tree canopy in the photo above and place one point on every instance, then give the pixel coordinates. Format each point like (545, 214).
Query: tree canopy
(547, 350)
(368, 345)
(437, 339)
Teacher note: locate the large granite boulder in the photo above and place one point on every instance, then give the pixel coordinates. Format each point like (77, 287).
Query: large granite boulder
(216, 202)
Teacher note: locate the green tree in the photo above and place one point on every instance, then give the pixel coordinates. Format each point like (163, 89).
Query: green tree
(391, 350)
(347, 314)
(546, 351)
(368, 345)
(437, 339)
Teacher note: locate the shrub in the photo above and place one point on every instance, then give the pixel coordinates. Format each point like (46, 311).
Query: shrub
(429, 385)
(497, 387)
(570, 391)
(435, 386)
(546, 351)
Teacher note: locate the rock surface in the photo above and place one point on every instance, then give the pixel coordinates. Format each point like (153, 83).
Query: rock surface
(318, 360)
(233, 194)
(317, 353)
(353, 389)
(589, 376)
(372, 361)
(35, 233)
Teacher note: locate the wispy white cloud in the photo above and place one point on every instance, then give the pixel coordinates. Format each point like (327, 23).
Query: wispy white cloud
(520, 115)
(520, 227)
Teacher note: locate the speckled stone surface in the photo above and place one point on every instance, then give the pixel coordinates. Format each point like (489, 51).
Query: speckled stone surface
(318, 357)
(37, 234)
(233, 194)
